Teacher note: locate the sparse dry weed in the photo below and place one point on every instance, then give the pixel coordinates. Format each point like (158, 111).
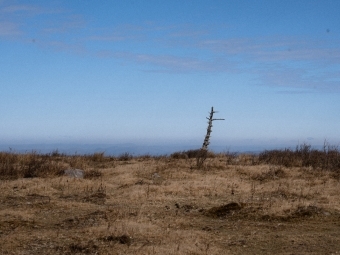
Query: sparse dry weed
(165, 205)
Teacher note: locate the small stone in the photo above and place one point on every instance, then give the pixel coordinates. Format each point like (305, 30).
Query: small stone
(75, 173)
(157, 179)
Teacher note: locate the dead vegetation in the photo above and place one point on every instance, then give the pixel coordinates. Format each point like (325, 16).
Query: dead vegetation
(235, 204)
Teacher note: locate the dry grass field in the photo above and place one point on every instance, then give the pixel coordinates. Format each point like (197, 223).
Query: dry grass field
(235, 204)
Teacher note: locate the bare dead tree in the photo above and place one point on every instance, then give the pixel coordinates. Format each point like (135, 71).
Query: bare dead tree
(203, 153)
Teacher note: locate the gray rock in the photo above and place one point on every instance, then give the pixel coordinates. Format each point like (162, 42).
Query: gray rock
(156, 176)
(157, 179)
(76, 173)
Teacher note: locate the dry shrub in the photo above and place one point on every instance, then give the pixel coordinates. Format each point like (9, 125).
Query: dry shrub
(247, 159)
(35, 165)
(230, 157)
(56, 154)
(77, 161)
(9, 168)
(97, 157)
(144, 157)
(125, 156)
(29, 165)
(304, 156)
(179, 155)
(92, 174)
(272, 174)
(284, 157)
(191, 154)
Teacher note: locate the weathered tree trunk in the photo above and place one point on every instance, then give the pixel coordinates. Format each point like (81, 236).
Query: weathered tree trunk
(202, 155)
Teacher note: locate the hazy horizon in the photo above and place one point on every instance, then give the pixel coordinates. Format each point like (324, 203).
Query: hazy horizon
(149, 148)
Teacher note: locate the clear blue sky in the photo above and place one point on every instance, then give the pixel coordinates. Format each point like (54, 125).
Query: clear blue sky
(85, 71)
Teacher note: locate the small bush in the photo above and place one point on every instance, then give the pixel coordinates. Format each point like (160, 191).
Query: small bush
(9, 168)
(35, 165)
(125, 156)
(77, 161)
(92, 174)
(29, 165)
(97, 157)
(191, 154)
(272, 174)
(179, 155)
(304, 156)
(56, 154)
(230, 157)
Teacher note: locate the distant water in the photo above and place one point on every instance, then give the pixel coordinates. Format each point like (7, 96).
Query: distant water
(117, 149)
(134, 149)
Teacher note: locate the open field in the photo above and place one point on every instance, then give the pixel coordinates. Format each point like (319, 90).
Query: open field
(236, 204)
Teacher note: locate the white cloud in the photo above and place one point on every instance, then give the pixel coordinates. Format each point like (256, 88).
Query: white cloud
(110, 38)
(275, 48)
(20, 8)
(177, 64)
(284, 62)
(303, 79)
(57, 45)
(65, 24)
(9, 29)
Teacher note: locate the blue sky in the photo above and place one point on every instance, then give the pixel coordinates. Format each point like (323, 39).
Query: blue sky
(149, 71)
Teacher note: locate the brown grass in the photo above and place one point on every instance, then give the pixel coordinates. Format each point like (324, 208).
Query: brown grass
(164, 205)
